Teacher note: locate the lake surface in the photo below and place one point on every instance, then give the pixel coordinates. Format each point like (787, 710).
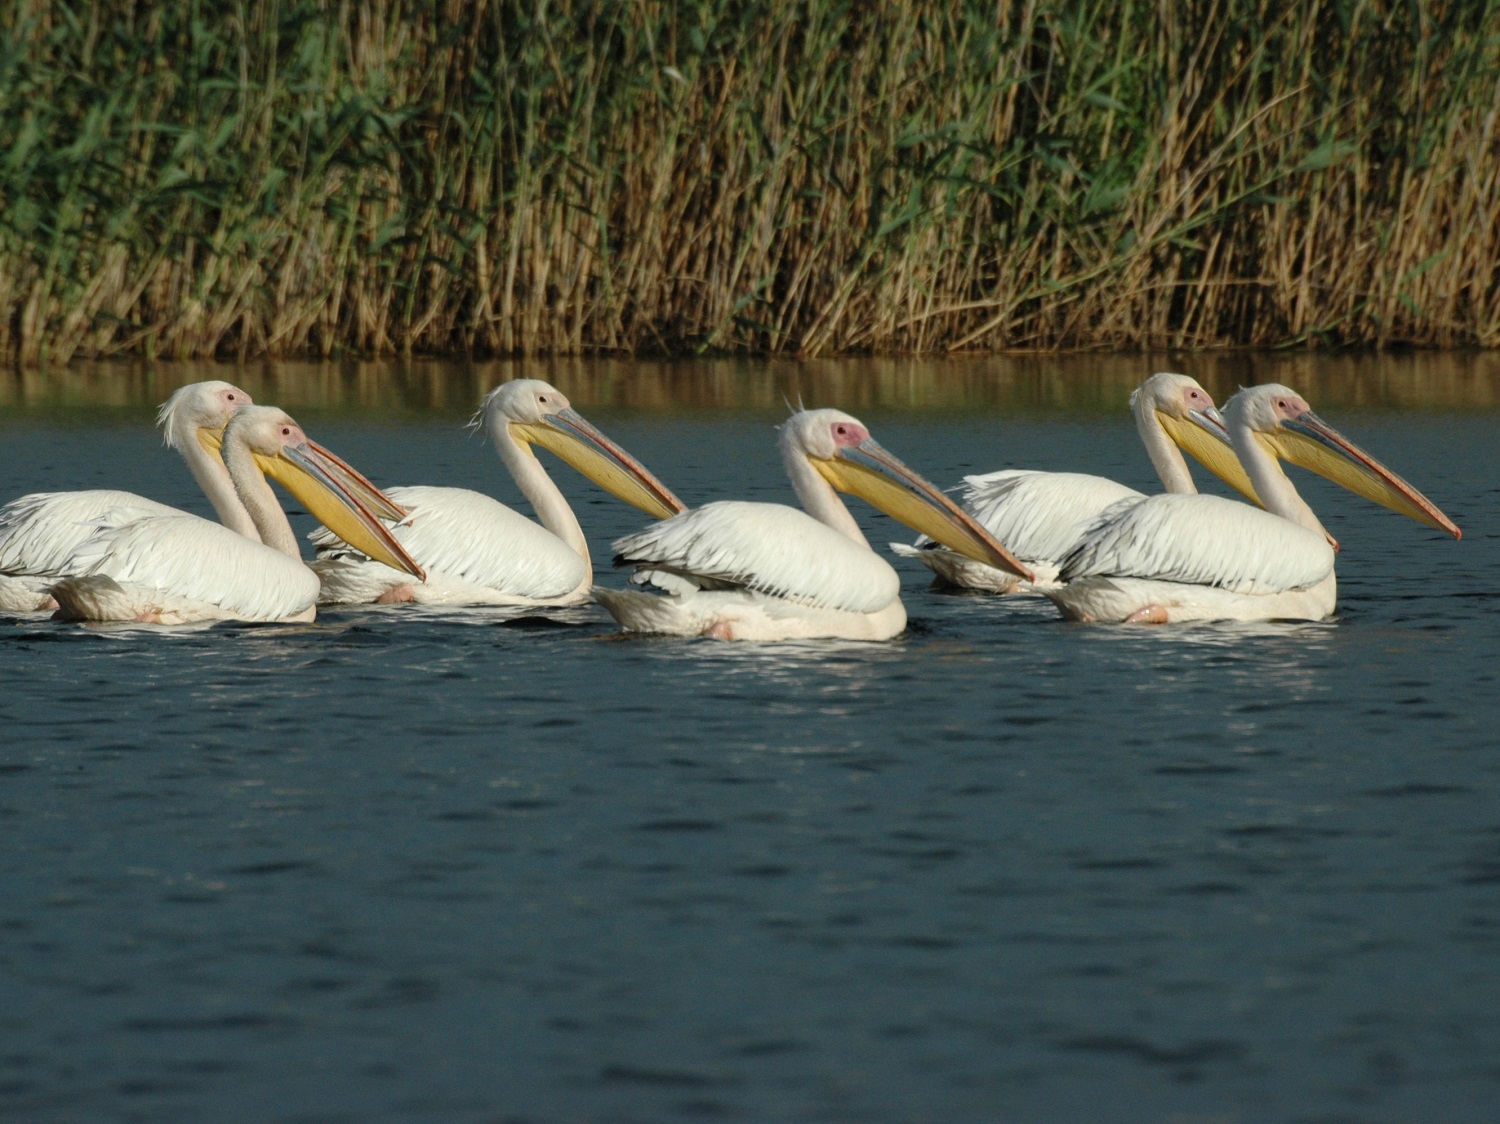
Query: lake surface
(405, 865)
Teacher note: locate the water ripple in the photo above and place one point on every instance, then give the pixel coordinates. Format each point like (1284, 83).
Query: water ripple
(453, 865)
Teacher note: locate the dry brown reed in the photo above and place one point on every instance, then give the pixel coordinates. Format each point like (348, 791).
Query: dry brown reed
(801, 176)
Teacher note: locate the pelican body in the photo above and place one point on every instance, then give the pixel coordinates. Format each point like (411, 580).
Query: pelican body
(735, 570)
(1041, 516)
(477, 551)
(174, 568)
(1186, 557)
(39, 532)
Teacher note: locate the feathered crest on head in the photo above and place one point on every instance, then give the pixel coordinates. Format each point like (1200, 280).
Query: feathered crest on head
(175, 415)
(476, 423)
(166, 418)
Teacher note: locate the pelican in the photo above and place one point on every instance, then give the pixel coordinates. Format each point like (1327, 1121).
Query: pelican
(176, 568)
(1042, 515)
(477, 551)
(755, 571)
(38, 532)
(1181, 558)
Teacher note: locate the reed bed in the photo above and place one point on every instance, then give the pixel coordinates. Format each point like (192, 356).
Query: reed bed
(806, 177)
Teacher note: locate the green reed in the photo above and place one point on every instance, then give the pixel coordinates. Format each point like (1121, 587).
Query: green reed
(801, 176)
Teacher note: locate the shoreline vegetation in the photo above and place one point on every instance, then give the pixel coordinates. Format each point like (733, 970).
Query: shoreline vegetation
(1458, 381)
(804, 178)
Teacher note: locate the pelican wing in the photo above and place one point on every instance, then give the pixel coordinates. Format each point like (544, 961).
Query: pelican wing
(458, 533)
(1040, 515)
(768, 548)
(189, 559)
(38, 532)
(1200, 540)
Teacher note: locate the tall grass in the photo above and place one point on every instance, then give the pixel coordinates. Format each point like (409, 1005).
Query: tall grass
(801, 176)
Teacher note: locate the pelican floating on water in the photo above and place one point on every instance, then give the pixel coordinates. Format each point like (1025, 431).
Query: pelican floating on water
(176, 568)
(1181, 558)
(736, 570)
(40, 531)
(477, 551)
(1040, 516)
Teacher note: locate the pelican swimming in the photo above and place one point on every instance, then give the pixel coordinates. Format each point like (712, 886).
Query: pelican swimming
(176, 568)
(756, 571)
(38, 532)
(477, 551)
(1040, 516)
(1180, 558)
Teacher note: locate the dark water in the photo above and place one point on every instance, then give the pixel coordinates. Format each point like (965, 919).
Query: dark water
(412, 866)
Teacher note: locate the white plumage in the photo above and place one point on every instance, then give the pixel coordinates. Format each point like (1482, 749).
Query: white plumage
(1231, 546)
(40, 532)
(764, 548)
(1040, 516)
(1172, 558)
(177, 568)
(174, 568)
(754, 571)
(1022, 506)
(477, 551)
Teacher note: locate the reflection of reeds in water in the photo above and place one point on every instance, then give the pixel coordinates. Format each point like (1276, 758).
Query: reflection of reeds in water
(1087, 383)
(810, 178)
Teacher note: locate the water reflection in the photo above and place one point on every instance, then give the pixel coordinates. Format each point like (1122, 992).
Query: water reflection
(1083, 383)
(1283, 657)
(410, 826)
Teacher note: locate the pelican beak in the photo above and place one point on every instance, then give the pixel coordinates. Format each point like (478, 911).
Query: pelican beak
(351, 481)
(212, 438)
(335, 494)
(576, 441)
(1202, 435)
(866, 470)
(1313, 444)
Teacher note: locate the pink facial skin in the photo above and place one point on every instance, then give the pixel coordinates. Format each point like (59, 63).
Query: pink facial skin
(849, 435)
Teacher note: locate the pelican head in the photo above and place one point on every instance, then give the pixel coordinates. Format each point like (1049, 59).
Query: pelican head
(1282, 422)
(845, 455)
(1187, 414)
(536, 412)
(200, 409)
(333, 492)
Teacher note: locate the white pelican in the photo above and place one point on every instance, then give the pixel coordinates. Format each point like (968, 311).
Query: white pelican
(1180, 558)
(477, 551)
(757, 571)
(38, 532)
(1040, 516)
(177, 568)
